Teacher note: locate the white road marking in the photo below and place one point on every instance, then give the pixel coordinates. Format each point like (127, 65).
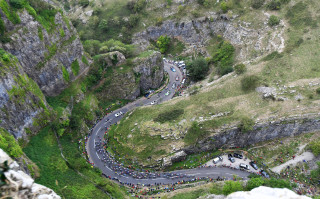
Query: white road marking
(98, 131)
(98, 155)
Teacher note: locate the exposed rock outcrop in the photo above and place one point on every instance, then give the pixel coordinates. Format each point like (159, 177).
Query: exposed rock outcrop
(197, 32)
(42, 53)
(261, 132)
(19, 184)
(150, 70)
(23, 107)
(261, 193)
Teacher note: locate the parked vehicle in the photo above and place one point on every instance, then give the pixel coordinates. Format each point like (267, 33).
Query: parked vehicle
(217, 159)
(231, 158)
(237, 155)
(264, 174)
(244, 166)
(253, 165)
(118, 114)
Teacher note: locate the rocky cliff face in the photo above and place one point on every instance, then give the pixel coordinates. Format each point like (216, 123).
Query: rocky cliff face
(151, 71)
(261, 132)
(23, 108)
(19, 184)
(44, 55)
(197, 33)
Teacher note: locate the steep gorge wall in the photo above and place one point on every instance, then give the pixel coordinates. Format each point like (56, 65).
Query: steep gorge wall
(42, 54)
(23, 107)
(198, 32)
(260, 133)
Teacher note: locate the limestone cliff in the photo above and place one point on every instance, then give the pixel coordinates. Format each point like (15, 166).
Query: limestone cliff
(18, 184)
(50, 52)
(23, 108)
(150, 69)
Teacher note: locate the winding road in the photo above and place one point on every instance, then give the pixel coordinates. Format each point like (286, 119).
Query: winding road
(113, 170)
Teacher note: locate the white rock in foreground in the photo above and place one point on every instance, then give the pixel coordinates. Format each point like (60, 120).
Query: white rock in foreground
(260, 193)
(20, 185)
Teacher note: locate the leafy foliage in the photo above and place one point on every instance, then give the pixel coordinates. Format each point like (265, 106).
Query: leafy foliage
(163, 43)
(249, 83)
(246, 124)
(256, 4)
(224, 58)
(231, 186)
(75, 67)
(273, 20)
(198, 69)
(9, 144)
(315, 147)
(240, 69)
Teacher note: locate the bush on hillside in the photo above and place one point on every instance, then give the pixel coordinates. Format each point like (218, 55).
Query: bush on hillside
(168, 116)
(246, 124)
(163, 43)
(315, 147)
(273, 20)
(240, 69)
(18, 4)
(256, 4)
(249, 83)
(224, 58)
(274, 5)
(231, 186)
(198, 69)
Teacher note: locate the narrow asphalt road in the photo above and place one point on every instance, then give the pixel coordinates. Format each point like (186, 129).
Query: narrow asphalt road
(116, 171)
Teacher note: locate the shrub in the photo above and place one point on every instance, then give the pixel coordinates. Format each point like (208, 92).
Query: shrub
(65, 74)
(194, 134)
(231, 186)
(240, 69)
(84, 3)
(75, 67)
(249, 83)
(246, 124)
(274, 5)
(224, 58)
(315, 147)
(18, 4)
(168, 116)
(273, 20)
(163, 43)
(198, 69)
(256, 4)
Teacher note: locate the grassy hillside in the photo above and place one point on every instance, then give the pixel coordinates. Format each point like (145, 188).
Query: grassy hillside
(293, 73)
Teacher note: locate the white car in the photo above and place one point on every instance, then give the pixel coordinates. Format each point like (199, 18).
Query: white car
(118, 114)
(153, 102)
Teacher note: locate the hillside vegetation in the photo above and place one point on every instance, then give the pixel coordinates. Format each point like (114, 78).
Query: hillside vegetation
(293, 73)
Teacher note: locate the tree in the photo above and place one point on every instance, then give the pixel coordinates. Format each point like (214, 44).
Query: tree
(163, 43)
(198, 69)
(231, 186)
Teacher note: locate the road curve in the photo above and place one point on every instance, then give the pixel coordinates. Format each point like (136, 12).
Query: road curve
(111, 169)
